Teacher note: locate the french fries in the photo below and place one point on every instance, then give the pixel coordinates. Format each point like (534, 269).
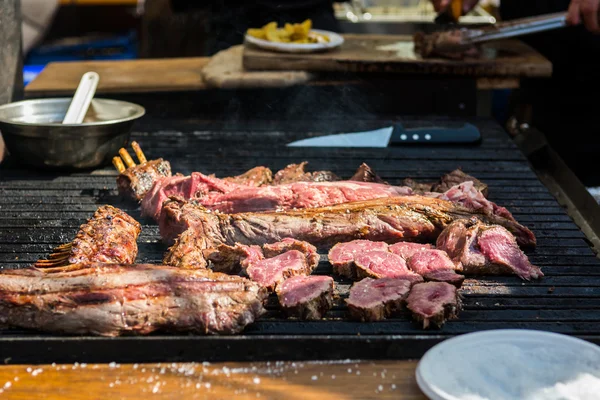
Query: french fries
(290, 33)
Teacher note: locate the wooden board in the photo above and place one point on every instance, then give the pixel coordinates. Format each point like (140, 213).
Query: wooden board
(274, 380)
(395, 54)
(123, 76)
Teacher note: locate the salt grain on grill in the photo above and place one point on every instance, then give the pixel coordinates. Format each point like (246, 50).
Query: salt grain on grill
(112, 365)
(256, 380)
(7, 385)
(393, 386)
(314, 377)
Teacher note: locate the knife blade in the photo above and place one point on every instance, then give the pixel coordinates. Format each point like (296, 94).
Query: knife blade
(395, 135)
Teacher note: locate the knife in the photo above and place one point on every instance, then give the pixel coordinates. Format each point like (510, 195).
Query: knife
(396, 135)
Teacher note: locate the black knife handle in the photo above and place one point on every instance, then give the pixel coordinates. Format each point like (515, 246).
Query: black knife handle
(468, 134)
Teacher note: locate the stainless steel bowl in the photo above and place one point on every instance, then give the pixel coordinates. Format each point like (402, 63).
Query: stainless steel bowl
(34, 134)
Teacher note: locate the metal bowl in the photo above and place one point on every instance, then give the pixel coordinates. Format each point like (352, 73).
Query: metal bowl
(34, 134)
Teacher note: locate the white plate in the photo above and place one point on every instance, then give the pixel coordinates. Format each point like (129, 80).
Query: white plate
(335, 40)
(511, 364)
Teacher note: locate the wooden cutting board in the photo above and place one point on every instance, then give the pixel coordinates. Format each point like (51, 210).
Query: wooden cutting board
(395, 54)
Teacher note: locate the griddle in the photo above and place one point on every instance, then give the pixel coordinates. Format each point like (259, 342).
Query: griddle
(39, 210)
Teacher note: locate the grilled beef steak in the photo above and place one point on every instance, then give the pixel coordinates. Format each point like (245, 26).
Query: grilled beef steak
(383, 264)
(296, 173)
(287, 244)
(394, 219)
(376, 299)
(113, 300)
(407, 249)
(435, 265)
(432, 303)
(341, 256)
(110, 236)
(306, 297)
(188, 251)
(256, 176)
(446, 182)
(272, 271)
(485, 250)
(233, 259)
(364, 173)
(137, 180)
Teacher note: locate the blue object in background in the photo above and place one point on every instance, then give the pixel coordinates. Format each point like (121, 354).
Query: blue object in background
(123, 47)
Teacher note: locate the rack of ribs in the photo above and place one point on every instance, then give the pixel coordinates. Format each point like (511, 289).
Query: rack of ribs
(110, 236)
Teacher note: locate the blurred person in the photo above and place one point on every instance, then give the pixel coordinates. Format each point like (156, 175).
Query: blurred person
(565, 108)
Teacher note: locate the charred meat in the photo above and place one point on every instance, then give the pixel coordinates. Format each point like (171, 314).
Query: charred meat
(484, 249)
(110, 236)
(435, 265)
(257, 176)
(189, 251)
(233, 259)
(114, 300)
(364, 173)
(342, 255)
(448, 44)
(297, 173)
(376, 299)
(306, 297)
(135, 181)
(433, 303)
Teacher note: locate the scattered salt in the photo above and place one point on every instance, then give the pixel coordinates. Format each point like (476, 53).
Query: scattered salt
(207, 385)
(28, 369)
(156, 387)
(135, 366)
(256, 380)
(349, 370)
(380, 388)
(314, 377)
(112, 365)
(16, 378)
(197, 386)
(332, 376)
(36, 372)
(357, 372)
(111, 384)
(393, 386)
(7, 385)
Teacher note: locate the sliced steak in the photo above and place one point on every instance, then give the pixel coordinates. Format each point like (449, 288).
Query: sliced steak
(468, 196)
(272, 271)
(435, 265)
(376, 299)
(433, 303)
(383, 264)
(110, 236)
(113, 300)
(306, 297)
(407, 249)
(256, 176)
(341, 256)
(364, 173)
(233, 259)
(287, 244)
(136, 181)
(485, 250)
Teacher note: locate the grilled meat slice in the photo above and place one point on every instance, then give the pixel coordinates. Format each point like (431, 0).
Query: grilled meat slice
(257, 176)
(113, 300)
(394, 219)
(376, 299)
(110, 236)
(137, 180)
(418, 187)
(272, 271)
(433, 303)
(407, 249)
(306, 297)
(310, 252)
(435, 265)
(342, 255)
(364, 173)
(233, 259)
(484, 249)
(383, 264)
(297, 173)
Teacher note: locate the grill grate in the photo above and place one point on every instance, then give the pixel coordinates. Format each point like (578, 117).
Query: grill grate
(39, 211)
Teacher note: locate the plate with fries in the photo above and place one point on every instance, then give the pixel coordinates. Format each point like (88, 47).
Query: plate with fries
(293, 38)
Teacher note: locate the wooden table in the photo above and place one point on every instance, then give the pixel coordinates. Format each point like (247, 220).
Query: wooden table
(274, 380)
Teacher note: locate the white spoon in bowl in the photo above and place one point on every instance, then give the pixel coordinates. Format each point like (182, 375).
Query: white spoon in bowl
(82, 98)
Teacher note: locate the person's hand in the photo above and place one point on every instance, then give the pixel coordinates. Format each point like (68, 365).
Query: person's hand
(585, 11)
(442, 5)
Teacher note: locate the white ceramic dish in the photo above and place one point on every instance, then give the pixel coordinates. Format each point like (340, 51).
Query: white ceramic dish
(335, 40)
(511, 364)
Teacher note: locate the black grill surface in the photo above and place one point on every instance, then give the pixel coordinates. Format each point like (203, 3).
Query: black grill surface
(39, 210)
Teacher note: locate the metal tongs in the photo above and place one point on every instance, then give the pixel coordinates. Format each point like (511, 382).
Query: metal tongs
(517, 27)
(465, 38)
